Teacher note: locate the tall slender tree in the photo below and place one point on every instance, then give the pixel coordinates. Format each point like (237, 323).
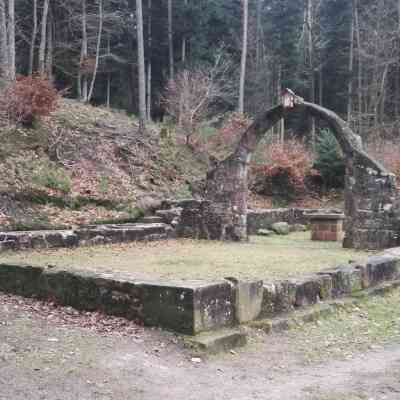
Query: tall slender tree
(82, 75)
(149, 58)
(43, 38)
(171, 41)
(11, 39)
(141, 65)
(244, 55)
(34, 34)
(4, 53)
(98, 48)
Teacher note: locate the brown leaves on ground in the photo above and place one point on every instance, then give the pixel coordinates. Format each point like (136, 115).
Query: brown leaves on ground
(67, 316)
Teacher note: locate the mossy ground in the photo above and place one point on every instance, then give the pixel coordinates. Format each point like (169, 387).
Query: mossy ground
(276, 257)
(368, 325)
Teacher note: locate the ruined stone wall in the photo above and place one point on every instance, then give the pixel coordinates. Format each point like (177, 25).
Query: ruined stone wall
(371, 205)
(189, 222)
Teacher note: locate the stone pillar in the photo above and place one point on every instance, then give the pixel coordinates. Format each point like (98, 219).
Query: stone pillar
(371, 199)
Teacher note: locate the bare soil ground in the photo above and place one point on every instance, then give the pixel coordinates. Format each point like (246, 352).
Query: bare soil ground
(60, 354)
(273, 257)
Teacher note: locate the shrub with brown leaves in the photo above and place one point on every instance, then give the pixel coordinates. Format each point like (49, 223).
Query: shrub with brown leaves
(29, 98)
(227, 136)
(285, 169)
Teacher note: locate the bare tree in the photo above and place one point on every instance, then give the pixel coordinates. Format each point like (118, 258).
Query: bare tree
(4, 53)
(43, 38)
(96, 65)
(184, 37)
(82, 75)
(141, 66)
(11, 39)
(149, 59)
(33, 38)
(189, 96)
(170, 40)
(244, 55)
(50, 48)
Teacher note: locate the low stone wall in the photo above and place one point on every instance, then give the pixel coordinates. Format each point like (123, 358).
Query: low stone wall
(194, 307)
(89, 235)
(287, 295)
(187, 215)
(187, 307)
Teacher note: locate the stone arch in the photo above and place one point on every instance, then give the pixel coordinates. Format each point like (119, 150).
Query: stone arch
(370, 190)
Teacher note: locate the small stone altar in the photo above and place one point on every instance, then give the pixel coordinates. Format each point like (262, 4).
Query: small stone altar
(327, 227)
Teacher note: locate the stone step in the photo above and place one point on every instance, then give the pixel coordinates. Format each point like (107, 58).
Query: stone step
(316, 312)
(151, 219)
(218, 341)
(123, 233)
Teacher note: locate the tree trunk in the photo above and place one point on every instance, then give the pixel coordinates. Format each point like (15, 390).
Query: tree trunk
(96, 64)
(43, 38)
(33, 38)
(321, 86)
(11, 39)
(244, 56)
(108, 99)
(141, 66)
(170, 41)
(258, 33)
(49, 56)
(184, 37)
(149, 60)
(82, 77)
(4, 52)
(359, 67)
(281, 129)
(310, 50)
(350, 71)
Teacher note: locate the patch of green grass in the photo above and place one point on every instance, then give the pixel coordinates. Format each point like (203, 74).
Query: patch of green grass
(53, 178)
(104, 184)
(339, 396)
(372, 323)
(277, 257)
(36, 224)
(74, 203)
(134, 215)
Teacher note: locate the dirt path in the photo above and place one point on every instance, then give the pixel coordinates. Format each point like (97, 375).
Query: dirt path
(43, 358)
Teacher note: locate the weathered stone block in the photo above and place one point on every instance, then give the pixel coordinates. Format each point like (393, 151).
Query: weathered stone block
(281, 228)
(264, 232)
(345, 280)
(216, 342)
(308, 290)
(20, 279)
(278, 297)
(213, 306)
(381, 268)
(248, 297)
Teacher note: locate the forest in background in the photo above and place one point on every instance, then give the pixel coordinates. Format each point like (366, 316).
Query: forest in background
(156, 91)
(343, 54)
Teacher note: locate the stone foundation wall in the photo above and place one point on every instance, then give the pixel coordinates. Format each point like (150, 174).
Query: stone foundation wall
(193, 307)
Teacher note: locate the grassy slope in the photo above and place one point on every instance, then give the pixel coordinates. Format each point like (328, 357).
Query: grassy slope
(84, 164)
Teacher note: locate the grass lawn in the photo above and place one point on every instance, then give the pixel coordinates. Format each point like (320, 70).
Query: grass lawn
(268, 258)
